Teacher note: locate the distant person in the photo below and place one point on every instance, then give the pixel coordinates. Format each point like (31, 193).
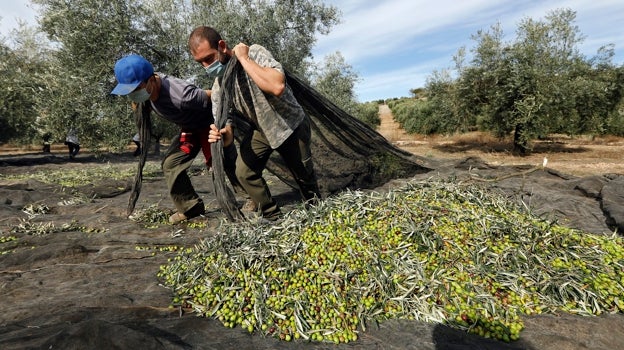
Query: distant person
(262, 98)
(72, 142)
(137, 141)
(46, 142)
(183, 104)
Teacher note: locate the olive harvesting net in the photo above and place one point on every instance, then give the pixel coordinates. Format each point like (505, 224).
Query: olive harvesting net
(347, 153)
(433, 250)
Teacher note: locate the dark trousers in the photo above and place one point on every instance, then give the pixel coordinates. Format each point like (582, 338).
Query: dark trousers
(176, 164)
(137, 151)
(295, 151)
(73, 148)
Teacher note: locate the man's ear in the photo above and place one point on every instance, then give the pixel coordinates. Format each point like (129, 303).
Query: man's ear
(152, 85)
(222, 45)
(149, 83)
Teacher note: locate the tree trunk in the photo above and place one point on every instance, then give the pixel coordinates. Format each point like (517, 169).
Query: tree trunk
(157, 146)
(520, 143)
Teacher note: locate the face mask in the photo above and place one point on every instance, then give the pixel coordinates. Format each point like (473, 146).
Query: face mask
(215, 70)
(139, 96)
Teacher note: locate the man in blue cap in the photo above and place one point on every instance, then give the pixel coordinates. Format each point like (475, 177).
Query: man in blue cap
(179, 102)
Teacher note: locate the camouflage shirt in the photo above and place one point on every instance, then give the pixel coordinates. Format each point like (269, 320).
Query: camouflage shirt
(276, 117)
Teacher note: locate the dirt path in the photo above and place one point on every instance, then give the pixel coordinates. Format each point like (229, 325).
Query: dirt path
(389, 128)
(579, 156)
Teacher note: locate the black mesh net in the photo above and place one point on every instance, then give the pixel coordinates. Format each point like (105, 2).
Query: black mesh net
(144, 124)
(347, 153)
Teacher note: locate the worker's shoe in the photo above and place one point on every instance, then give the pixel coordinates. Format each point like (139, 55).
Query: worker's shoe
(195, 211)
(272, 217)
(250, 206)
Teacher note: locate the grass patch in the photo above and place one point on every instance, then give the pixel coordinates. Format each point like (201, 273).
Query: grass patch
(87, 174)
(151, 217)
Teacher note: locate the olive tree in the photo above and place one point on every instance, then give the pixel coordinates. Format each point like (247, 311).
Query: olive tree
(90, 35)
(23, 60)
(335, 79)
(287, 28)
(533, 86)
(540, 83)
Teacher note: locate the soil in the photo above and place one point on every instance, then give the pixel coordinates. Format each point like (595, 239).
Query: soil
(91, 288)
(580, 156)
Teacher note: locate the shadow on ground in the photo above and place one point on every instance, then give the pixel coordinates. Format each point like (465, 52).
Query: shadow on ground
(507, 148)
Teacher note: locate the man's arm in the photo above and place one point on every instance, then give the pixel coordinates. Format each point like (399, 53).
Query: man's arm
(268, 79)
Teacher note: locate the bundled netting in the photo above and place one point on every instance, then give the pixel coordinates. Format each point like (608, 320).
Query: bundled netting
(431, 251)
(224, 193)
(347, 153)
(144, 124)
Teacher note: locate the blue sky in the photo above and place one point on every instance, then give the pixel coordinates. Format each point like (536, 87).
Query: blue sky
(10, 11)
(394, 45)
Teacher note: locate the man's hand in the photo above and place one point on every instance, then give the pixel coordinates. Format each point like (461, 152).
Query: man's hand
(241, 51)
(268, 79)
(226, 134)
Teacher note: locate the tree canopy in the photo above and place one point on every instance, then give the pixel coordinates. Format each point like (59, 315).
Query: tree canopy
(22, 74)
(533, 86)
(88, 36)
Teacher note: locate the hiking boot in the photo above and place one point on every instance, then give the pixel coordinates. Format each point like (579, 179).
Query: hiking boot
(272, 216)
(272, 220)
(195, 211)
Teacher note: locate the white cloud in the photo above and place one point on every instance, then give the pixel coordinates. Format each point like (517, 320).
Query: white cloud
(395, 44)
(396, 83)
(15, 10)
(386, 27)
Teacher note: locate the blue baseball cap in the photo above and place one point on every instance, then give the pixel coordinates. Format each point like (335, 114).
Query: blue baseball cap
(130, 71)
